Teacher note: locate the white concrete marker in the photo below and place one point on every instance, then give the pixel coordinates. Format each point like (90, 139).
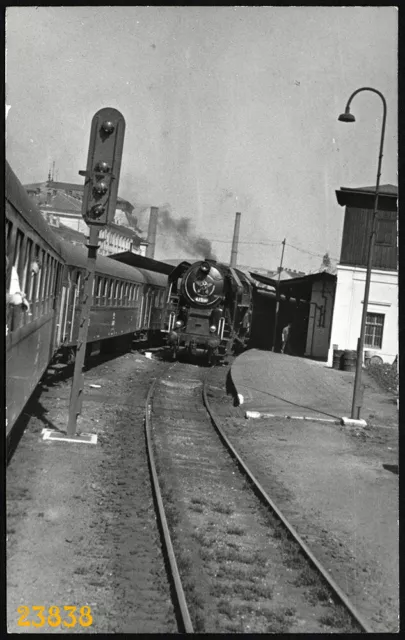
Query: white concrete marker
(83, 438)
(258, 414)
(349, 422)
(241, 399)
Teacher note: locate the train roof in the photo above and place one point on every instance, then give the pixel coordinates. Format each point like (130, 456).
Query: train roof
(142, 262)
(19, 199)
(77, 255)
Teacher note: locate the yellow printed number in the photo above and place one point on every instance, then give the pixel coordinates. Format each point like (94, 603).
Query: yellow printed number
(85, 619)
(73, 618)
(40, 615)
(23, 611)
(54, 618)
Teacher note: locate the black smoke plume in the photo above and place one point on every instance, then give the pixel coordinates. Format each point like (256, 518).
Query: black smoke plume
(182, 234)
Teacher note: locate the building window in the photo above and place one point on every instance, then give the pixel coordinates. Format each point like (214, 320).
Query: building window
(384, 232)
(374, 330)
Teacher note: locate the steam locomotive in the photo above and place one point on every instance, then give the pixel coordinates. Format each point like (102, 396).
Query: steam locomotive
(208, 310)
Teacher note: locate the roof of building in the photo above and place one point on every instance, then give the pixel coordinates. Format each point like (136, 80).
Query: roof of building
(386, 189)
(364, 197)
(63, 202)
(66, 186)
(71, 235)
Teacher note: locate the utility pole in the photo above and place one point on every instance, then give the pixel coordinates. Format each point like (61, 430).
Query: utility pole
(98, 209)
(278, 297)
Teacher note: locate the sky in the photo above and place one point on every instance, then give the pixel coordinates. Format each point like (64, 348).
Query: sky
(227, 109)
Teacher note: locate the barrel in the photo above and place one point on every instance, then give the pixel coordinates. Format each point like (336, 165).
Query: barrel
(349, 360)
(337, 358)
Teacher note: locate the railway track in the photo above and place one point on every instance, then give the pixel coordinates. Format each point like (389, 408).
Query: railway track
(236, 563)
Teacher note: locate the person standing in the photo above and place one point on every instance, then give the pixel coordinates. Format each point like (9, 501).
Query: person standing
(285, 335)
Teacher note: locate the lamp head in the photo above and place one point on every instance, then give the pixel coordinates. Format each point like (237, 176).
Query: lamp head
(347, 116)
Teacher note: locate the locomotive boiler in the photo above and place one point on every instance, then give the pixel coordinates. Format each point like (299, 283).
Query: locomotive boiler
(208, 310)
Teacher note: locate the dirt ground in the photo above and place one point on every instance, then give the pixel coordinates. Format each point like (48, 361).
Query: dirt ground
(339, 488)
(81, 528)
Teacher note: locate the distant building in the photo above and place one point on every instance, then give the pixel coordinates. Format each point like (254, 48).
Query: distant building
(61, 204)
(286, 274)
(381, 337)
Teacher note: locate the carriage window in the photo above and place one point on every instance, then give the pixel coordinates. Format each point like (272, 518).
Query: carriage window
(38, 281)
(34, 277)
(52, 283)
(96, 289)
(26, 275)
(93, 288)
(100, 290)
(43, 276)
(48, 282)
(103, 288)
(109, 290)
(9, 230)
(106, 291)
(17, 250)
(120, 297)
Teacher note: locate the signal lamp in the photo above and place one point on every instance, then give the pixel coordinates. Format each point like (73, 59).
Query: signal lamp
(108, 126)
(103, 167)
(96, 211)
(100, 188)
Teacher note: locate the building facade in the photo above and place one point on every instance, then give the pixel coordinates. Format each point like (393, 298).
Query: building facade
(381, 336)
(61, 204)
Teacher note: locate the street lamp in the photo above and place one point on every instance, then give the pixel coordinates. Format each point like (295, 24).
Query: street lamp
(348, 117)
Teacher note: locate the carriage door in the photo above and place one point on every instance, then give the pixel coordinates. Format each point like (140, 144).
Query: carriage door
(62, 320)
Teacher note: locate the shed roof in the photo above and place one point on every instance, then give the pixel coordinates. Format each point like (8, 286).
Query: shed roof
(364, 197)
(141, 262)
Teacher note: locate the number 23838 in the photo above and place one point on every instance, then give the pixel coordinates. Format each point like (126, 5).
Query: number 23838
(53, 617)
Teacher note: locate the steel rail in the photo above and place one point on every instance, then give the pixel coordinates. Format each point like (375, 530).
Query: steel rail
(332, 584)
(178, 587)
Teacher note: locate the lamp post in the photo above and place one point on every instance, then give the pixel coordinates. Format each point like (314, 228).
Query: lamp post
(348, 117)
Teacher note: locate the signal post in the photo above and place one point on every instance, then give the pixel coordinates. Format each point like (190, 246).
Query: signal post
(98, 209)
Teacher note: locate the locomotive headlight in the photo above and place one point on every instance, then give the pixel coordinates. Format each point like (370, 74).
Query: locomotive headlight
(205, 267)
(179, 323)
(213, 328)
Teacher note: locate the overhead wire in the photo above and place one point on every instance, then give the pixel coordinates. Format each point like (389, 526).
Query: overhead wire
(257, 242)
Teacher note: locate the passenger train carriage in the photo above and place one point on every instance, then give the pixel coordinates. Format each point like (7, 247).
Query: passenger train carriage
(208, 309)
(50, 272)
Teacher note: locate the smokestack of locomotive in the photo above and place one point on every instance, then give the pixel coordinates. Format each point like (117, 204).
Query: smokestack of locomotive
(152, 229)
(234, 252)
